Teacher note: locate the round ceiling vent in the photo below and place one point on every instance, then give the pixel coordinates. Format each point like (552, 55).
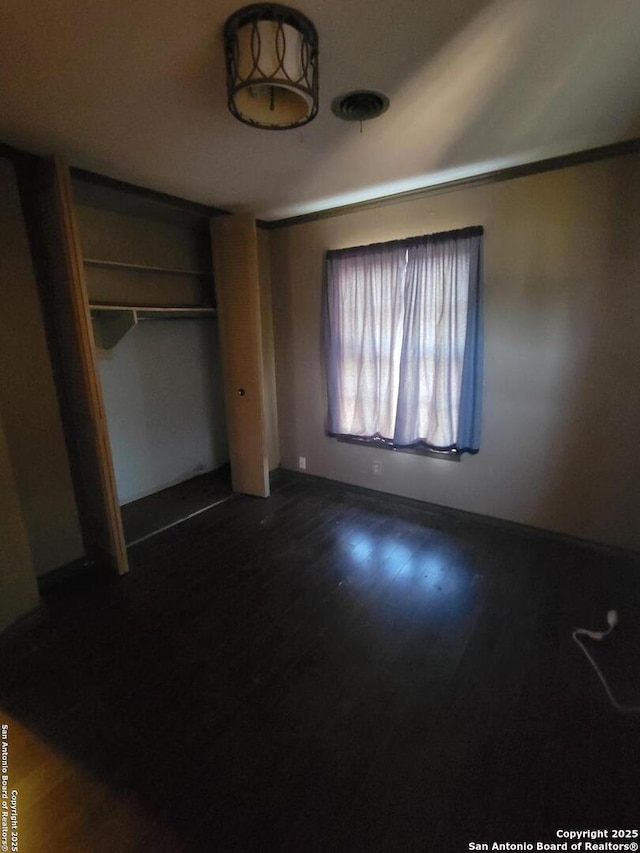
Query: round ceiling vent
(361, 105)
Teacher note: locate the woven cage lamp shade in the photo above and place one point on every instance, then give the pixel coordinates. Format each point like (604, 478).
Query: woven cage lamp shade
(271, 54)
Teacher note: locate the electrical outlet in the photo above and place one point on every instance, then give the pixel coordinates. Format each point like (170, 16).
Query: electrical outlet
(302, 463)
(376, 468)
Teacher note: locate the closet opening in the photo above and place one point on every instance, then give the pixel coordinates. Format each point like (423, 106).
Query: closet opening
(148, 273)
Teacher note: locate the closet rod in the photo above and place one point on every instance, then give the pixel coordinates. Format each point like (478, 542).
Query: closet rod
(185, 309)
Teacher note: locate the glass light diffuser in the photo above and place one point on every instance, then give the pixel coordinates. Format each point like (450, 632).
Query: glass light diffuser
(272, 66)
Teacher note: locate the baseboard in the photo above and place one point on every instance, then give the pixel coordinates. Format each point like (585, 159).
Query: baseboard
(477, 518)
(193, 475)
(71, 571)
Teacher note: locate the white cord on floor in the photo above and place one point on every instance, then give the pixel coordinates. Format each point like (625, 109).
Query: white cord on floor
(612, 619)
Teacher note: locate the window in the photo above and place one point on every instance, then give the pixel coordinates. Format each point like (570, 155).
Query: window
(403, 342)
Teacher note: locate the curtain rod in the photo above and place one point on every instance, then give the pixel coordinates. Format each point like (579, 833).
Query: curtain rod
(470, 231)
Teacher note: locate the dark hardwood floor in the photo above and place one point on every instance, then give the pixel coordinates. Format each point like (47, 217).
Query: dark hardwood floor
(325, 670)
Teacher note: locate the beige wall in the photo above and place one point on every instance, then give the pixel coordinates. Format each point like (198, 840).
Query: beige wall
(17, 580)
(562, 351)
(27, 398)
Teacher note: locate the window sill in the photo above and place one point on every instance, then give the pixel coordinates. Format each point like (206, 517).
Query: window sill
(444, 455)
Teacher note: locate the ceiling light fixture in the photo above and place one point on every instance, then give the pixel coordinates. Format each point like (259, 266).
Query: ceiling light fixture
(271, 54)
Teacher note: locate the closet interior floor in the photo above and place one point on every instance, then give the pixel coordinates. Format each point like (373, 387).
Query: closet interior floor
(144, 517)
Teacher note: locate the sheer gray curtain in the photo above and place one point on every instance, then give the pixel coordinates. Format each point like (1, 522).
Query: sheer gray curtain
(404, 342)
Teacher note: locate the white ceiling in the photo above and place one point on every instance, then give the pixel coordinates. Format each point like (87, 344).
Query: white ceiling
(134, 89)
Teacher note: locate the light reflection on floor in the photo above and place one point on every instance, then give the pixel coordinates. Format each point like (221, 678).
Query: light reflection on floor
(426, 570)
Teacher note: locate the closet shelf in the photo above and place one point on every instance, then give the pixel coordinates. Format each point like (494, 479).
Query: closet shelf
(114, 321)
(120, 265)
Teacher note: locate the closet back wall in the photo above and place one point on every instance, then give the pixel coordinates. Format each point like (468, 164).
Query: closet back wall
(162, 390)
